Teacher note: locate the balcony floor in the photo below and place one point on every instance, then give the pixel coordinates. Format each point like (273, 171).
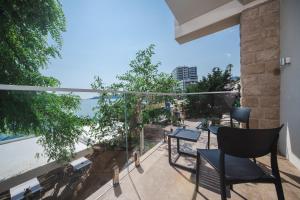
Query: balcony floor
(156, 179)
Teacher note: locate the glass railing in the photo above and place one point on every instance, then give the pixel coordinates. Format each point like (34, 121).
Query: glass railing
(68, 143)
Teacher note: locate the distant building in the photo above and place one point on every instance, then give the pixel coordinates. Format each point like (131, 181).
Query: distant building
(185, 75)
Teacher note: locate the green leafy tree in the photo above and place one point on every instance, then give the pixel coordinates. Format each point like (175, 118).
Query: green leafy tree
(143, 76)
(108, 120)
(212, 105)
(30, 34)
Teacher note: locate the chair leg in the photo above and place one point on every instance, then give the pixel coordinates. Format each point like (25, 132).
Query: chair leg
(231, 186)
(276, 174)
(197, 171)
(279, 189)
(222, 186)
(223, 190)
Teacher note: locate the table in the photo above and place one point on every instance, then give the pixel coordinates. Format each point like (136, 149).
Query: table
(186, 135)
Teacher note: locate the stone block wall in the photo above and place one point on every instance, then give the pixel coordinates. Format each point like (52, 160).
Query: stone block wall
(260, 73)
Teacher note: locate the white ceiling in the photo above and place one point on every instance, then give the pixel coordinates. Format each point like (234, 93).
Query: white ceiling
(195, 8)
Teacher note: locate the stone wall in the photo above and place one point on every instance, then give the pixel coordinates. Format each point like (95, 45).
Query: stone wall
(260, 73)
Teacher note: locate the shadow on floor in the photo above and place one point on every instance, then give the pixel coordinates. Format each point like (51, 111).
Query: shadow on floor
(140, 169)
(117, 191)
(284, 180)
(133, 185)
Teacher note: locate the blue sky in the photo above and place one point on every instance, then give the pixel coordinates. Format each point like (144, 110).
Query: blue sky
(103, 36)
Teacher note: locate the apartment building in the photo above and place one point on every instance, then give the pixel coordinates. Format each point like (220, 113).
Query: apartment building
(186, 75)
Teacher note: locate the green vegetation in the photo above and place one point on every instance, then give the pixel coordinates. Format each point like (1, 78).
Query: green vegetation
(210, 105)
(26, 27)
(30, 34)
(143, 76)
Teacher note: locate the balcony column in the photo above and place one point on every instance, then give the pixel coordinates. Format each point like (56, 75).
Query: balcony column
(260, 72)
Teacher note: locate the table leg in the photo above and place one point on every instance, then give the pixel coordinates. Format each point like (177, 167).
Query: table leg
(172, 162)
(208, 139)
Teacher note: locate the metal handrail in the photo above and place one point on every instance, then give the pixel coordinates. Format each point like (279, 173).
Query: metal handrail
(85, 90)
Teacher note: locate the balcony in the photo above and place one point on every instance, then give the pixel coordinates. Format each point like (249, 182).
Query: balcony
(67, 143)
(116, 146)
(156, 179)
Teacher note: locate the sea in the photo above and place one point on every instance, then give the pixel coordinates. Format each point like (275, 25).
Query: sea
(87, 106)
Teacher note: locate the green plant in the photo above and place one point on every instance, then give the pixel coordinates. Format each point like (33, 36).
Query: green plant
(143, 76)
(211, 105)
(26, 29)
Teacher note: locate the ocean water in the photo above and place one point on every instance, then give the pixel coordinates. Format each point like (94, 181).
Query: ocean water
(86, 107)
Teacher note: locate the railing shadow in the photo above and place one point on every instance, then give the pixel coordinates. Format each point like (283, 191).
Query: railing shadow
(134, 187)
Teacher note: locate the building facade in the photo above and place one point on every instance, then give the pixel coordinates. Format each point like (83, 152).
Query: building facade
(185, 75)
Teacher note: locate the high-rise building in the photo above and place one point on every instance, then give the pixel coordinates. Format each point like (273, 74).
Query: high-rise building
(186, 75)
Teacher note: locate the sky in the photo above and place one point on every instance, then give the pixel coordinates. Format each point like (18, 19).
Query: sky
(104, 35)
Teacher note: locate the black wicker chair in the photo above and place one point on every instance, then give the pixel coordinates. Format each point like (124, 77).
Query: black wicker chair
(240, 114)
(232, 161)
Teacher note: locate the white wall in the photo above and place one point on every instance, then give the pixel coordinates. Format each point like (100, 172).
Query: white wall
(289, 142)
(20, 156)
(19, 162)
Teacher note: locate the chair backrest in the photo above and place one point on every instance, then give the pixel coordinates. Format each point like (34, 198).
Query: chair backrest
(240, 114)
(247, 143)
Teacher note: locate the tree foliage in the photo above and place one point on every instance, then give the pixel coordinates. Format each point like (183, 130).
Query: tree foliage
(143, 76)
(26, 26)
(30, 34)
(212, 105)
(108, 120)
